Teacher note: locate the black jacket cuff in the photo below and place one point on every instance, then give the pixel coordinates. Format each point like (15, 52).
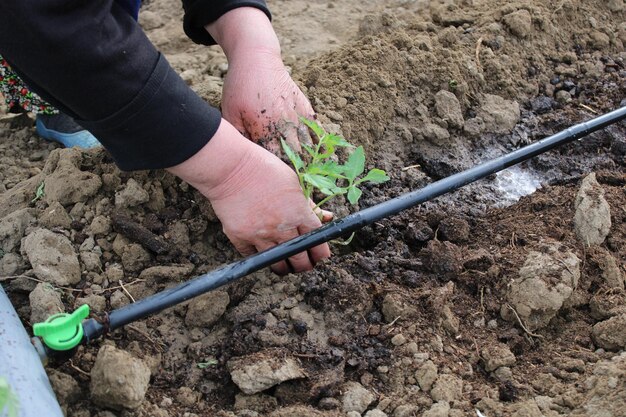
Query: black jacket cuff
(199, 13)
(142, 136)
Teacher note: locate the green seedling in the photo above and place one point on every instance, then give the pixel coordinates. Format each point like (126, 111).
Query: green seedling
(9, 403)
(319, 171)
(210, 362)
(39, 193)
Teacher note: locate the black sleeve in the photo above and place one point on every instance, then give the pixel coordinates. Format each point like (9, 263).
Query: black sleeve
(199, 13)
(91, 60)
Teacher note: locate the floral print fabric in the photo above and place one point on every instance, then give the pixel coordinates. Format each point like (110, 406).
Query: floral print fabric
(17, 94)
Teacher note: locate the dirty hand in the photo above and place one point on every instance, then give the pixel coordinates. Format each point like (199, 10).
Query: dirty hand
(259, 98)
(255, 195)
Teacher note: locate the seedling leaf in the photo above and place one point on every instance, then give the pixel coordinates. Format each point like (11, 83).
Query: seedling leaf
(377, 176)
(325, 184)
(317, 129)
(210, 362)
(354, 193)
(293, 157)
(355, 164)
(320, 171)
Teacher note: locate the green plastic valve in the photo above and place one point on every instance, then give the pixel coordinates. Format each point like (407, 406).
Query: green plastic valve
(62, 331)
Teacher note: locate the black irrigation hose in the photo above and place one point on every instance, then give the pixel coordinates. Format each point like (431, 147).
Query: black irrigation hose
(207, 282)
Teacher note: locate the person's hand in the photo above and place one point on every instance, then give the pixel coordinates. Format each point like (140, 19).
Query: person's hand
(259, 97)
(255, 195)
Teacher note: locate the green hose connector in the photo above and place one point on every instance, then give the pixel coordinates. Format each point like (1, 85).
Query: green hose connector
(62, 331)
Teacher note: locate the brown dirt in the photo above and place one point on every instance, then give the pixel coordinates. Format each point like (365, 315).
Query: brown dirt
(414, 310)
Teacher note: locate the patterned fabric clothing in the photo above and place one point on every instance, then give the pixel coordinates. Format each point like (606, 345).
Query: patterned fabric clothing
(18, 96)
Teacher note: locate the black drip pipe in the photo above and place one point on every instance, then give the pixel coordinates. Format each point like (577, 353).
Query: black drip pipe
(207, 282)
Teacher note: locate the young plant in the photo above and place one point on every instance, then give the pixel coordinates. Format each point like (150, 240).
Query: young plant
(321, 172)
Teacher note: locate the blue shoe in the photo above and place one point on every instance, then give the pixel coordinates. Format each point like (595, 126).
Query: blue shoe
(64, 130)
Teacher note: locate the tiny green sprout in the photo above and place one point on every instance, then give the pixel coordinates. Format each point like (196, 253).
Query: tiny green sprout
(453, 84)
(318, 171)
(39, 193)
(210, 362)
(8, 400)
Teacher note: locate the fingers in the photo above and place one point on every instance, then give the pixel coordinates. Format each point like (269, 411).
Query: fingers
(319, 252)
(281, 268)
(324, 215)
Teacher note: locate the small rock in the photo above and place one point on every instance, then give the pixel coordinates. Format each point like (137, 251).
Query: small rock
(398, 340)
(131, 195)
(440, 409)
(68, 184)
(599, 40)
(52, 257)
(426, 375)
(406, 410)
(150, 20)
(55, 216)
(546, 281)
(435, 134)
(65, 387)
(542, 104)
(96, 303)
(135, 257)
(118, 380)
(592, 220)
(12, 228)
(519, 23)
(616, 5)
(447, 388)
(611, 334)
(563, 96)
(12, 264)
(503, 373)
(394, 307)
(206, 310)
(91, 261)
(498, 114)
(352, 414)
(356, 397)
(497, 355)
(474, 127)
(329, 403)
(341, 102)
(118, 299)
(187, 397)
(333, 115)
(260, 371)
(449, 321)
(100, 225)
(44, 302)
(611, 273)
(449, 108)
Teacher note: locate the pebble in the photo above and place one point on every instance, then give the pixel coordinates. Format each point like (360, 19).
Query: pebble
(398, 340)
(118, 380)
(563, 96)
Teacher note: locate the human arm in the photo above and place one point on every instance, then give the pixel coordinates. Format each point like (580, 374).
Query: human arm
(259, 98)
(92, 60)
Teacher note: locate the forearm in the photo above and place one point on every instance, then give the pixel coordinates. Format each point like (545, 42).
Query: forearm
(243, 31)
(92, 60)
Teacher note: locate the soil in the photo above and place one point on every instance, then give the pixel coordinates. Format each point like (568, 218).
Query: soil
(469, 302)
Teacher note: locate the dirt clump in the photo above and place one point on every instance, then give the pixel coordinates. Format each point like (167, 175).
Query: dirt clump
(118, 380)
